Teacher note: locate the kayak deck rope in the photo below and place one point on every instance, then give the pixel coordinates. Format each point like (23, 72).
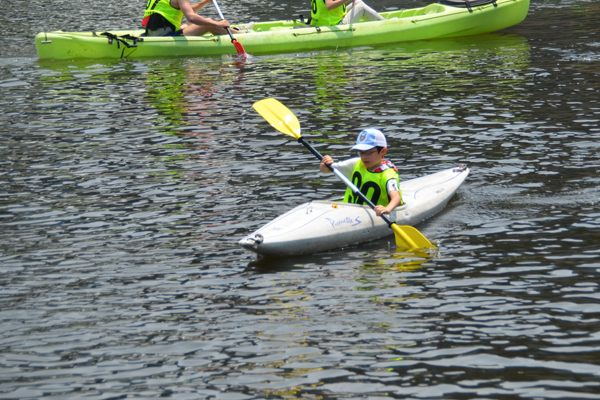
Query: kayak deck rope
(121, 40)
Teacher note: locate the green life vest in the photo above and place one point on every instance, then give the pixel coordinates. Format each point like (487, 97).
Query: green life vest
(320, 16)
(372, 184)
(164, 8)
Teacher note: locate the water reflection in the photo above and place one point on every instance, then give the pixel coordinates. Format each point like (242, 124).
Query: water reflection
(388, 282)
(393, 72)
(182, 96)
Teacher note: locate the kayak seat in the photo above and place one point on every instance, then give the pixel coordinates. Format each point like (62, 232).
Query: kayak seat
(306, 23)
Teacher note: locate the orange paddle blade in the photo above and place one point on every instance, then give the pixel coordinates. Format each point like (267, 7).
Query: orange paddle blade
(238, 47)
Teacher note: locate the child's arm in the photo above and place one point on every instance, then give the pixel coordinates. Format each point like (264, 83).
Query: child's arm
(324, 163)
(395, 200)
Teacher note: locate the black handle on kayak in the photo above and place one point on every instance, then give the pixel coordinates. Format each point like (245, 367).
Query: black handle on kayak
(354, 189)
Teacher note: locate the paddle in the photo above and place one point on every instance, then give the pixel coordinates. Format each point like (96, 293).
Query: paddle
(282, 119)
(238, 45)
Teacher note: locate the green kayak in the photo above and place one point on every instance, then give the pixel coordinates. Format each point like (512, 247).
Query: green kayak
(448, 18)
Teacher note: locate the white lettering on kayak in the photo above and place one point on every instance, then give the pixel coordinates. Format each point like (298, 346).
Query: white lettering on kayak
(347, 220)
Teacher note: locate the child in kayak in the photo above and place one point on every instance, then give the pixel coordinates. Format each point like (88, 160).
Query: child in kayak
(163, 18)
(335, 12)
(376, 178)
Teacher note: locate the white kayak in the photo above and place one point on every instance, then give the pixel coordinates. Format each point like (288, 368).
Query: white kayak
(325, 225)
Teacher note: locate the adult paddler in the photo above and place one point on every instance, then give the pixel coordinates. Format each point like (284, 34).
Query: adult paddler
(335, 12)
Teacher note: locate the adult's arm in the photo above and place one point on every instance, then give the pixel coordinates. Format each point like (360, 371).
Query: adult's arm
(193, 18)
(333, 4)
(198, 6)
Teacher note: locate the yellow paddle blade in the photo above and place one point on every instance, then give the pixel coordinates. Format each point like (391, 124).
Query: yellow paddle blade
(279, 116)
(410, 238)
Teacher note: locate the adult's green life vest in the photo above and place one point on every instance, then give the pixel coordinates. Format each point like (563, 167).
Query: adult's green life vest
(320, 16)
(372, 184)
(164, 8)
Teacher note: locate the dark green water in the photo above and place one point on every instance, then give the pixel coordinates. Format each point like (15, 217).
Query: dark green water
(127, 184)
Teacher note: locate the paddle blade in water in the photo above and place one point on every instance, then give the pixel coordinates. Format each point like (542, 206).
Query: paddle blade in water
(239, 48)
(410, 238)
(279, 116)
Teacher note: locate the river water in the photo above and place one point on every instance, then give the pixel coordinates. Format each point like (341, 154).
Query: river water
(126, 185)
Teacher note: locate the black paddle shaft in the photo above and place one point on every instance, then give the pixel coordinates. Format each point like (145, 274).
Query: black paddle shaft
(230, 35)
(216, 4)
(355, 190)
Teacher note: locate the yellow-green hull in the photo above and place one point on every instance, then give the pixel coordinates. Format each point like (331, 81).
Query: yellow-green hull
(430, 22)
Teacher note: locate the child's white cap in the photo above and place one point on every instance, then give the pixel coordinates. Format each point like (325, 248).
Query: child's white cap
(370, 138)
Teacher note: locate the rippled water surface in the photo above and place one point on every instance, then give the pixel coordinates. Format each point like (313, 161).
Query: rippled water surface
(126, 185)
